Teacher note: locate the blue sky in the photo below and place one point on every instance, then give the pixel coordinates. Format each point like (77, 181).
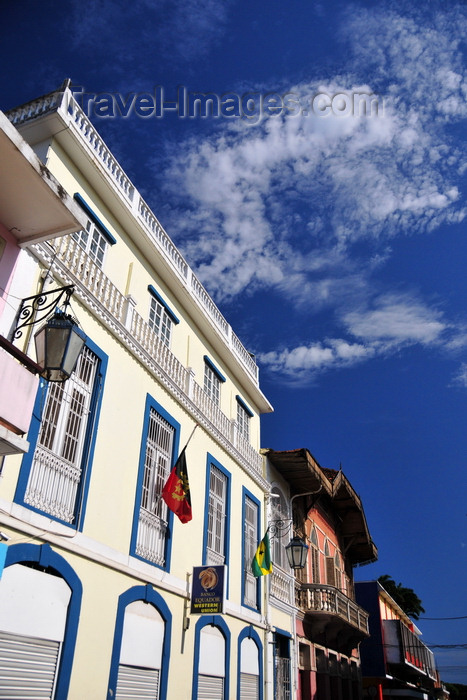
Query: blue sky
(334, 244)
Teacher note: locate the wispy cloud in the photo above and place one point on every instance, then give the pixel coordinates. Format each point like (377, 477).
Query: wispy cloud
(389, 324)
(311, 206)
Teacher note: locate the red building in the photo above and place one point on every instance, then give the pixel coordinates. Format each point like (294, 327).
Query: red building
(328, 515)
(395, 662)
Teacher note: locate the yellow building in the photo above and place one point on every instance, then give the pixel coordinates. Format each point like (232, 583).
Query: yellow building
(96, 591)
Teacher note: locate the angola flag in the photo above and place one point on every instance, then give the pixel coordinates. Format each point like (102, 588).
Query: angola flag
(176, 492)
(262, 564)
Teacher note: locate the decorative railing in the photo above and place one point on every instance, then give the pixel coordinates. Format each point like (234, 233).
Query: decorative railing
(320, 598)
(282, 585)
(68, 108)
(150, 543)
(90, 275)
(53, 485)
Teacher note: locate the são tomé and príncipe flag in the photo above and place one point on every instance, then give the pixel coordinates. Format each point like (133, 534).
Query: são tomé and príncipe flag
(176, 492)
(262, 564)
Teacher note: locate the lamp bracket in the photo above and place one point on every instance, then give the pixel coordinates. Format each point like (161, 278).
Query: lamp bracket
(39, 307)
(279, 528)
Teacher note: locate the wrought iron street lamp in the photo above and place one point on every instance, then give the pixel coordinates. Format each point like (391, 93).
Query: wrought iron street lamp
(60, 340)
(297, 552)
(58, 345)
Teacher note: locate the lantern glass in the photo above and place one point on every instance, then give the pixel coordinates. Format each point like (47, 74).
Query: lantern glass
(58, 345)
(297, 552)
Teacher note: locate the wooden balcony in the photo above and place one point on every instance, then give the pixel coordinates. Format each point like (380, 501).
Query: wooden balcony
(330, 618)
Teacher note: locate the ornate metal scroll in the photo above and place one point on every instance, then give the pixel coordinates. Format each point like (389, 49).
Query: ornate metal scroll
(39, 307)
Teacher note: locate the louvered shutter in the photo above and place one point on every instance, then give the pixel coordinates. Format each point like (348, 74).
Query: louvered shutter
(249, 686)
(27, 666)
(330, 571)
(210, 687)
(137, 683)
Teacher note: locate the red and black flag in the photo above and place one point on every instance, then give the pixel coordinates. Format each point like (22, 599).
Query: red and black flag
(176, 492)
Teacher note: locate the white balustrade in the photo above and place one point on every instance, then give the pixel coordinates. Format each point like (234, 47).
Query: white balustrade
(53, 485)
(150, 543)
(65, 104)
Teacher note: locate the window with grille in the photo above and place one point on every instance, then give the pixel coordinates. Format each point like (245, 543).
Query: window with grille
(250, 545)
(93, 242)
(153, 512)
(279, 513)
(59, 460)
(217, 512)
(282, 669)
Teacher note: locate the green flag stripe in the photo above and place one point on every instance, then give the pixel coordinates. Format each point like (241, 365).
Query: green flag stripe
(261, 564)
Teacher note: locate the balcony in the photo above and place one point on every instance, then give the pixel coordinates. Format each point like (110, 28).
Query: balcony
(73, 123)
(405, 650)
(330, 618)
(19, 388)
(116, 311)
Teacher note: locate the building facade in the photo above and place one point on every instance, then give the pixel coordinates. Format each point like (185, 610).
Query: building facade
(395, 661)
(95, 592)
(324, 510)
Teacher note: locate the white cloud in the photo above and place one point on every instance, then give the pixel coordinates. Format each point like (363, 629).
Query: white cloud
(461, 377)
(312, 206)
(396, 320)
(389, 324)
(302, 363)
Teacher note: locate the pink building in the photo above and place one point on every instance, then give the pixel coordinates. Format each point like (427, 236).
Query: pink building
(328, 514)
(33, 208)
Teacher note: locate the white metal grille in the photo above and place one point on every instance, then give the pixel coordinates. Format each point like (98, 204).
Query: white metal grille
(249, 686)
(251, 543)
(216, 516)
(56, 469)
(137, 683)
(282, 678)
(27, 666)
(210, 687)
(152, 526)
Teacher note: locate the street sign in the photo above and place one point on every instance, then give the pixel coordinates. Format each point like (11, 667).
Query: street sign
(207, 590)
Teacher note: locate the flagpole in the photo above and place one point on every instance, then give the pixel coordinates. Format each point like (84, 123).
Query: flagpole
(196, 425)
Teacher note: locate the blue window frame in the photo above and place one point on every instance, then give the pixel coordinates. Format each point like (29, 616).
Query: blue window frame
(150, 596)
(212, 380)
(218, 622)
(62, 435)
(217, 514)
(45, 557)
(250, 541)
(161, 316)
(95, 238)
(152, 520)
(249, 633)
